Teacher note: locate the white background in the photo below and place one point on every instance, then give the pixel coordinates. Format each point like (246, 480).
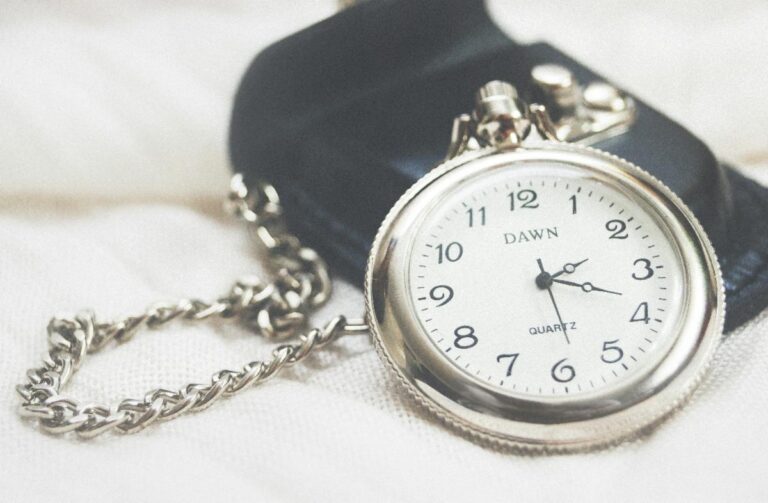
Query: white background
(112, 166)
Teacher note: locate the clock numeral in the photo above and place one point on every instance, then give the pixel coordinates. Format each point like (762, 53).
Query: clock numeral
(641, 313)
(526, 198)
(479, 219)
(646, 272)
(611, 352)
(465, 337)
(512, 359)
(563, 373)
(573, 204)
(450, 252)
(441, 293)
(618, 228)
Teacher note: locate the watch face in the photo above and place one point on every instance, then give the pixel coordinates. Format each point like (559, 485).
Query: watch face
(541, 280)
(555, 297)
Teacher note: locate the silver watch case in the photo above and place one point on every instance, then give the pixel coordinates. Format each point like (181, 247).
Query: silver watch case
(551, 423)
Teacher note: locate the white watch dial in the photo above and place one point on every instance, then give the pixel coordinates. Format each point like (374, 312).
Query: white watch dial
(542, 281)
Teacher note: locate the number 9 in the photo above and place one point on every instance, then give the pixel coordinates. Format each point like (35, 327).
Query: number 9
(442, 293)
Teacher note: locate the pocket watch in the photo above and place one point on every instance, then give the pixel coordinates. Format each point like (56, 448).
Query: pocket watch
(529, 291)
(542, 294)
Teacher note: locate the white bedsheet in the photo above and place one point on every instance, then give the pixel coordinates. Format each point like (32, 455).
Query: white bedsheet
(112, 143)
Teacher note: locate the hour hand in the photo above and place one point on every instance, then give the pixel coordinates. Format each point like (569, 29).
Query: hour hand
(586, 287)
(568, 268)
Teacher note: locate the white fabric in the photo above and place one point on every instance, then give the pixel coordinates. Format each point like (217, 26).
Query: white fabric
(112, 143)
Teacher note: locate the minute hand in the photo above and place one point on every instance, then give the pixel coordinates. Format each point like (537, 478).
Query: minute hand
(587, 287)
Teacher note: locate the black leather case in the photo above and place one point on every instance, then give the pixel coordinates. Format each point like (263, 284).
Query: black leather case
(344, 116)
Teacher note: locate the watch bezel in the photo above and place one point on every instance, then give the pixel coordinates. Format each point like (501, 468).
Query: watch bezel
(569, 422)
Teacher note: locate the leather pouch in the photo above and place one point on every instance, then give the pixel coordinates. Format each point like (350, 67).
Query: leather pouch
(345, 115)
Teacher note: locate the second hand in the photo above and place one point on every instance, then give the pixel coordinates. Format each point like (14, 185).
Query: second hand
(552, 297)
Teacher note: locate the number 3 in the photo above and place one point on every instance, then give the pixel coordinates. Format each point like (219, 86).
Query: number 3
(646, 273)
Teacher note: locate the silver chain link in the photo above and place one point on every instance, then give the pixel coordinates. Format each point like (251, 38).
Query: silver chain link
(276, 310)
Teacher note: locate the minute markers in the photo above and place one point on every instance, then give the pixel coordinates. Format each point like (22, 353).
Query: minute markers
(453, 231)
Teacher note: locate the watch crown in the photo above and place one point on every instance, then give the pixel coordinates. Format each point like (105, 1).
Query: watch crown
(501, 117)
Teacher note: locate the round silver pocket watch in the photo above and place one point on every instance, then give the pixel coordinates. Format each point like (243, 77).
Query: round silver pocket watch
(529, 292)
